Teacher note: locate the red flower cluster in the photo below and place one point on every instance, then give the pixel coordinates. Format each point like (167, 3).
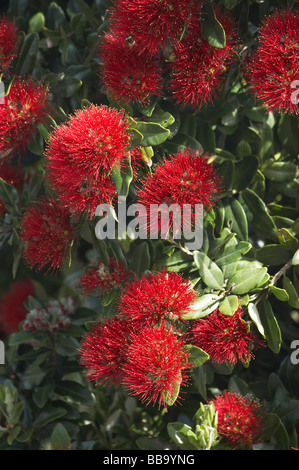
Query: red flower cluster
(81, 154)
(154, 45)
(197, 69)
(24, 108)
(226, 338)
(240, 419)
(48, 233)
(8, 43)
(99, 279)
(142, 347)
(273, 70)
(156, 298)
(12, 309)
(184, 178)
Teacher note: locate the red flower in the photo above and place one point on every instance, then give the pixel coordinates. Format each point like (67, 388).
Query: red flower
(157, 365)
(197, 69)
(185, 178)
(48, 233)
(81, 154)
(240, 420)
(103, 351)
(100, 278)
(126, 74)
(24, 108)
(11, 175)
(154, 25)
(226, 338)
(157, 297)
(12, 309)
(273, 71)
(8, 43)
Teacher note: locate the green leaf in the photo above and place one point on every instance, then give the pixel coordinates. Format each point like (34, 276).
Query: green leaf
(179, 142)
(212, 29)
(245, 171)
(280, 294)
(229, 305)
(141, 260)
(292, 293)
(122, 177)
(287, 130)
(27, 57)
(272, 255)
(206, 304)
(9, 196)
(48, 415)
(280, 171)
(153, 133)
(246, 280)
(236, 218)
(179, 433)
(258, 213)
(210, 273)
(37, 22)
(233, 253)
(271, 328)
(295, 259)
(42, 394)
(60, 439)
(197, 356)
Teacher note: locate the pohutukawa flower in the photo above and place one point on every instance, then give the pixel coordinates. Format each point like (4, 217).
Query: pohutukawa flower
(25, 107)
(12, 175)
(8, 43)
(157, 365)
(183, 179)
(273, 71)
(12, 309)
(48, 234)
(240, 419)
(197, 69)
(99, 279)
(154, 25)
(126, 75)
(103, 351)
(226, 338)
(157, 297)
(81, 154)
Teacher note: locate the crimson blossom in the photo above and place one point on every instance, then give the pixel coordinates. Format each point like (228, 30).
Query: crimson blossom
(240, 419)
(273, 70)
(103, 351)
(226, 338)
(153, 25)
(8, 43)
(185, 178)
(47, 231)
(81, 154)
(197, 69)
(12, 309)
(25, 106)
(100, 279)
(157, 365)
(126, 75)
(157, 297)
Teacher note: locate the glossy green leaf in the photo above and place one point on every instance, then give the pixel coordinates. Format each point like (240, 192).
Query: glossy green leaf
(271, 327)
(210, 273)
(229, 304)
(153, 133)
(180, 142)
(27, 56)
(280, 171)
(246, 280)
(9, 196)
(272, 255)
(280, 294)
(258, 214)
(235, 217)
(197, 356)
(212, 30)
(206, 304)
(292, 293)
(245, 171)
(60, 439)
(122, 177)
(37, 22)
(233, 253)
